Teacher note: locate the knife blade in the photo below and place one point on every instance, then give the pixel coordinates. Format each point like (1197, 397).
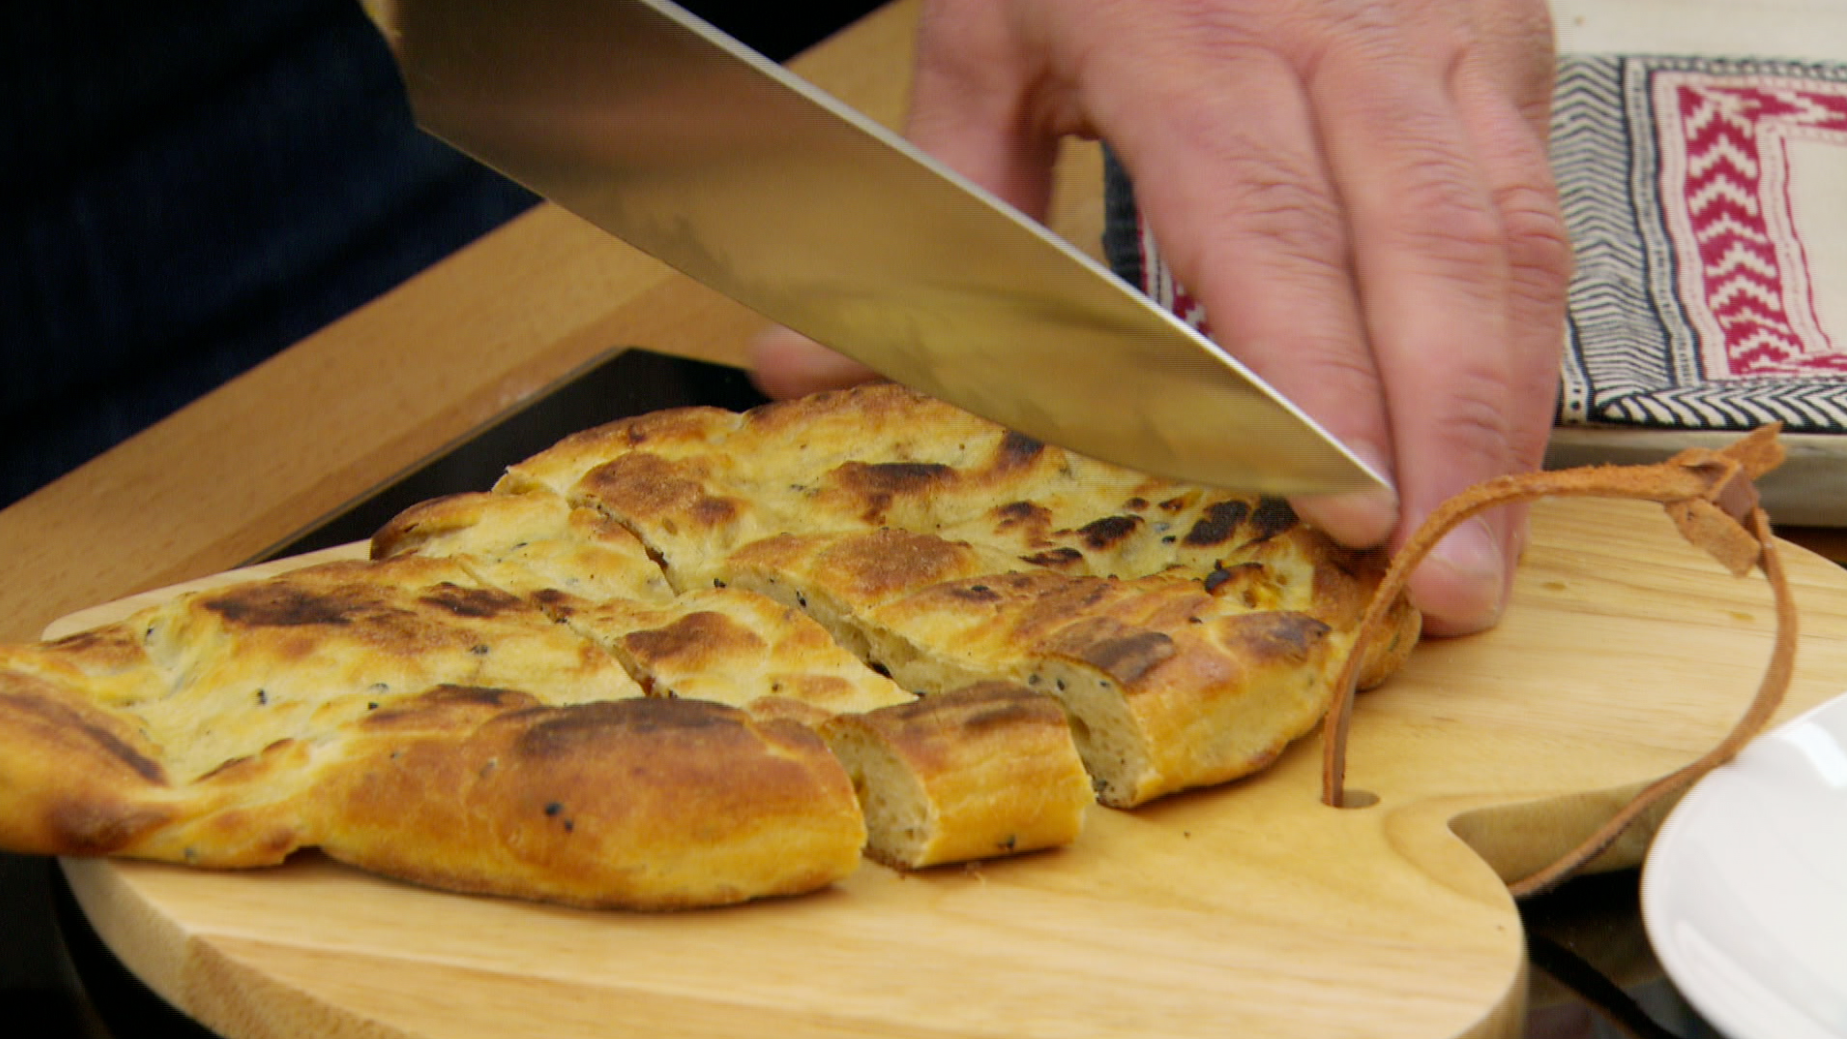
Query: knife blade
(657, 127)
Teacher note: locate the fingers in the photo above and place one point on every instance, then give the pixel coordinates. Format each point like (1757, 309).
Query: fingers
(1503, 92)
(1357, 190)
(788, 364)
(1433, 274)
(1360, 197)
(1220, 139)
(982, 102)
(1461, 258)
(972, 110)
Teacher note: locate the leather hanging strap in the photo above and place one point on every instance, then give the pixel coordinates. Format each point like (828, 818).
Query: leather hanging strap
(1711, 498)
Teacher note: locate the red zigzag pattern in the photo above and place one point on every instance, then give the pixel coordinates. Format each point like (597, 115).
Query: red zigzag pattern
(1729, 131)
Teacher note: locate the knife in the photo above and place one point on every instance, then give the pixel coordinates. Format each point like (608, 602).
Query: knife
(657, 127)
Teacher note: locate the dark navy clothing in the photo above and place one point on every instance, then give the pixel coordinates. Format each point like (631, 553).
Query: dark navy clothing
(188, 187)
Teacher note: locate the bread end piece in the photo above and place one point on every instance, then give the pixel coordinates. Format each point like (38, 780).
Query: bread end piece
(633, 804)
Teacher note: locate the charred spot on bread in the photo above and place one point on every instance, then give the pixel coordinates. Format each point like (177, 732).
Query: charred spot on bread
(275, 605)
(1126, 657)
(91, 826)
(1055, 558)
(112, 643)
(975, 593)
(876, 485)
(1272, 516)
(445, 704)
(1016, 450)
(1108, 531)
(1218, 523)
(1271, 634)
(35, 706)
(471, 602)
(1019, 513)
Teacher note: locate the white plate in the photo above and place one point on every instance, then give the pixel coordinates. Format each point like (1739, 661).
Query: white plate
(1745, 891)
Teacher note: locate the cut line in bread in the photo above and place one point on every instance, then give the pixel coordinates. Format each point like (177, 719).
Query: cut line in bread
(1167, 687)
(733, 646)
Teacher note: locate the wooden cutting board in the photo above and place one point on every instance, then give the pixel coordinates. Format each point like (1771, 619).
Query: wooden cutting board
(1249, 910)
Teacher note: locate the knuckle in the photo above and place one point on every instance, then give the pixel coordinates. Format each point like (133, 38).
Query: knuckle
(1295, 219)
(1280, 205)
(1539, 244)
(1477, 419)
(1464, 243)
(1262, 203)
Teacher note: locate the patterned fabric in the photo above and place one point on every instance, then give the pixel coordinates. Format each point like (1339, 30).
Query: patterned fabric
(1707, 203)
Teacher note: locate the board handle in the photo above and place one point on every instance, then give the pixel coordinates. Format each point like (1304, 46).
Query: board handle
(1712, 499)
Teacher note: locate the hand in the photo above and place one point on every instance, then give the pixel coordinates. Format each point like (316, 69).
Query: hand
(1358, 192)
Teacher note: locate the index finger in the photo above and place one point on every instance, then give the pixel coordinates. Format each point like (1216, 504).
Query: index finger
(1220, 144)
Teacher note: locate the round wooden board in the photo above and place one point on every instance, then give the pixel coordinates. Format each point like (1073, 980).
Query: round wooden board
(1248, 910)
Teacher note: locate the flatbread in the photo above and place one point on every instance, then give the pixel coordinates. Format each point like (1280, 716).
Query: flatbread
(698, 657)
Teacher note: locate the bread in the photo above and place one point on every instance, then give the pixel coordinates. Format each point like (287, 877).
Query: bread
(699, 657)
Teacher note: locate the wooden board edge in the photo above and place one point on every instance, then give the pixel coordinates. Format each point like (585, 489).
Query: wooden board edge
(109, 612)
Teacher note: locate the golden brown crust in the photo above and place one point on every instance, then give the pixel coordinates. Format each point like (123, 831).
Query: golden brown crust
(283, 658)
(738, 648)
(535, 545)
(1169, 689)
(468, 789)
(74, 775)
(1170, 685)
(647, 804)
(602, 683)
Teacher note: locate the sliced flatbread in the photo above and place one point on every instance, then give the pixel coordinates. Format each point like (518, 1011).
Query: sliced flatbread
(409, 721)
(732, 646)
(698, 657)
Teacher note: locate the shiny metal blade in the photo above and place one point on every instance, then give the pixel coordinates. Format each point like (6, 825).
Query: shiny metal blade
(665, 132)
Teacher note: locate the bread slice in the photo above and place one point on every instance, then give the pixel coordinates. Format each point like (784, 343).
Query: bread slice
(978, 772)
(738, 648)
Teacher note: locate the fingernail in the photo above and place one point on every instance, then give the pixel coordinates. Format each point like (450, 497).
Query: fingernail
(1358, 518)
(1470, 572)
